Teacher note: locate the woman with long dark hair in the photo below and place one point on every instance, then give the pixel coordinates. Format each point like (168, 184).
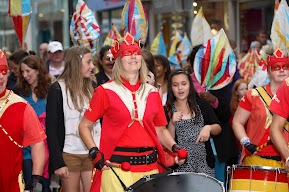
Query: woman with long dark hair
(192, 122)
(163, 72)
(32, 85)
(105, 64)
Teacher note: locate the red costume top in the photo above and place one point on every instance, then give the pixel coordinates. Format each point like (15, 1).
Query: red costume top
(280, 101)
(19, 127)
(130, 114)
(258, 124)
(280, 105)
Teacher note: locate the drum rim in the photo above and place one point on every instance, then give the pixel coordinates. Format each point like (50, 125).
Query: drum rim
(267, 168)
(201, 174)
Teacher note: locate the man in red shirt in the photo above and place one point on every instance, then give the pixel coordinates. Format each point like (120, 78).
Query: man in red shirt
(19, 127)
(279, 126)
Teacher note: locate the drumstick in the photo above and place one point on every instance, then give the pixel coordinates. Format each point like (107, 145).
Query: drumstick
(182, 154)
(125, 166)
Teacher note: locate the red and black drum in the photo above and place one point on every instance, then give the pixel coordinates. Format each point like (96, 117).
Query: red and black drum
(256, 178)
(182, 182)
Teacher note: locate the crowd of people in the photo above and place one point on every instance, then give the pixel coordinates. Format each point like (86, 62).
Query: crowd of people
(59, 117)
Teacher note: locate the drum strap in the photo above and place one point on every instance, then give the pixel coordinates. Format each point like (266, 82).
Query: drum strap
(266, 98)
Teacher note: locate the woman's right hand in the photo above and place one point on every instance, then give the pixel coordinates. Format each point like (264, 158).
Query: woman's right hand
(151, 78)
(177, 116)
(62, 172)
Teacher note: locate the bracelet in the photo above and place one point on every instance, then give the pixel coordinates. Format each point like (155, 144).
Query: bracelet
(245, 141)
(175, 148)
(92, 152)
(287, 160)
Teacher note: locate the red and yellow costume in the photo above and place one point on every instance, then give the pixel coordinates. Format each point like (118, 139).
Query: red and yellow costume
(19, 126)
(258, 124)
(257, 101)
(130, 114)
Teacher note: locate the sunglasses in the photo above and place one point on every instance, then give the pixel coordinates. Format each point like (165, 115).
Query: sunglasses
(278, 67)
(181, 71)
(109, 59)
(130, 53)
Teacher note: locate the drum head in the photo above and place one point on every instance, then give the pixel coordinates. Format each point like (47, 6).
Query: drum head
(184, 182)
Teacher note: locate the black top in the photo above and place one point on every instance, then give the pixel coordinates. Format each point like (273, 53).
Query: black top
(207, 112)
(225, 142)
(55, 129)
(209, 118)
(101, 78)
(12, 80)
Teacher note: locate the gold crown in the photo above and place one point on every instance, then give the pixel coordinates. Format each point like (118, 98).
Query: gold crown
(128, 42)
(278, 56)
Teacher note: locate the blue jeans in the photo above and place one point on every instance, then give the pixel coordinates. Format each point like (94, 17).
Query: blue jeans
(27, 169)
(45, 185)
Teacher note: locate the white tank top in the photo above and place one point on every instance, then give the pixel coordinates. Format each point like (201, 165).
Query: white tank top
(72, 117)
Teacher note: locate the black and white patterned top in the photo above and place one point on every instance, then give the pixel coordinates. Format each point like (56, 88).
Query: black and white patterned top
(187, 131)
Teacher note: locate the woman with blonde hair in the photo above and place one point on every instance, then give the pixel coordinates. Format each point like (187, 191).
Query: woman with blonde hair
(67, 100)
(252, 119)
(133, 125)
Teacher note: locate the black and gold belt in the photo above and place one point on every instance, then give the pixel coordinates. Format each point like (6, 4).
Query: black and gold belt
(136, 160)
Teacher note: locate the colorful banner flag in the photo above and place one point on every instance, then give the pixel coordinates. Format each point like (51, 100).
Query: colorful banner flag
(175, 61)
(260, 78)
(84, 29)
(177, 38)
(111, 36)
(184, 50)
(215, 62)
(158, 46)
(134, 20)
(277, 3)
(20, 11)
(201, 30)
(280, 28)
(249, 64)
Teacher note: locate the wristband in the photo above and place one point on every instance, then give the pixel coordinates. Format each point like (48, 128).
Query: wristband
(176, 148)
(245, 141)
(92, 152)
(287, 160)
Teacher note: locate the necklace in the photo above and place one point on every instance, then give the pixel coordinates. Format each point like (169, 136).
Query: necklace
(6, 101)
(11, 139)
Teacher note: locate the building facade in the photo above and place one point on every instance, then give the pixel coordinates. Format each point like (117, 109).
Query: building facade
(50, 19)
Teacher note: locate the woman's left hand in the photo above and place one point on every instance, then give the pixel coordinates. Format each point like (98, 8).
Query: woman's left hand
(204, 134)
(179, 161)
